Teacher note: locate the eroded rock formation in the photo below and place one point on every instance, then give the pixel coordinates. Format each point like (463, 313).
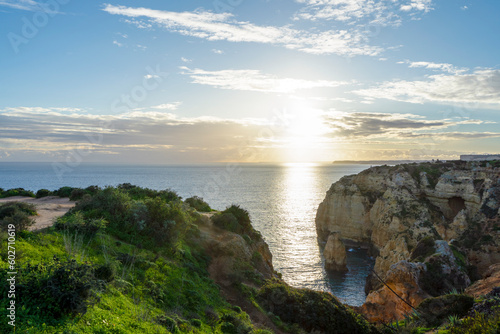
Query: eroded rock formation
(454, 206)
(335, 254)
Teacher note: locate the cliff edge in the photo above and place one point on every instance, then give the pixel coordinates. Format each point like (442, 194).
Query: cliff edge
(443, 215)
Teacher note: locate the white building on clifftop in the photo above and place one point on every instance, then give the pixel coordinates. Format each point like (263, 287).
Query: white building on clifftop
(484, 157)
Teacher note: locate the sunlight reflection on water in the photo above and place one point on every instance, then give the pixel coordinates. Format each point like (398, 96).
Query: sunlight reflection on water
(297, 253)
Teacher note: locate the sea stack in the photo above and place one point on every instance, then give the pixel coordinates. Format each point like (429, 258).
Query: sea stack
(335, 254)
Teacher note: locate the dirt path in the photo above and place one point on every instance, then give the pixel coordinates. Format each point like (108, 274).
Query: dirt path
(48, 208)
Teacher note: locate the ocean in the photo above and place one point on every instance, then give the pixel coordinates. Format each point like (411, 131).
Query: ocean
(282, 201)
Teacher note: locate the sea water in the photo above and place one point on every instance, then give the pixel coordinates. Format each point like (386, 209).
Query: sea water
(282, 201)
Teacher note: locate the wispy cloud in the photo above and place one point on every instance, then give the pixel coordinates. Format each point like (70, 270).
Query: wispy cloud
(480, 88)
(217, 51)
(254, 80)
(224, 27)
(53, 132)
(419, 5)
(360, 124)
(443, 67)
(382, 12)
(29, 5)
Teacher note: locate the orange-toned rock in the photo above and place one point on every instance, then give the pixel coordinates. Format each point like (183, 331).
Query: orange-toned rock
(383, 305)
(335, 254)
(491, 279)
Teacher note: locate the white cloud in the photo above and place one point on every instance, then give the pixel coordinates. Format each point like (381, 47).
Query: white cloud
(168, 106)
(444, 67)
(29, 5)
(216, 51)
(185, 60)
(117, 44)
(223, 27)
(478, 89)
(421, 5)
(254, 80)
(381, 12)
(147, 135)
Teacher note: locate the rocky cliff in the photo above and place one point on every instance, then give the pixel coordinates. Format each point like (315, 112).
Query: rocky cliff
(391, 209)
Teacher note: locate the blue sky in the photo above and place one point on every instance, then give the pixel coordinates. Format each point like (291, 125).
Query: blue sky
(250, 81)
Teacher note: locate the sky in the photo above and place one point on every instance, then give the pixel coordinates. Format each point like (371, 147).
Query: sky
(278, 81)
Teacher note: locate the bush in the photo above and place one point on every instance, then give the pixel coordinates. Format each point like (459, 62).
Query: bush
(77, 223)
(237, 220)
(77, 194)
(56, 289)
(43, 193)
(138, 193)
(16, 192)
(105, 272)
(196, 323)
(226, 221)
(311, 310)
(478, 324)
(198, 204)
(64, 191)
(425, 248)
(17, 213)
(434, 311)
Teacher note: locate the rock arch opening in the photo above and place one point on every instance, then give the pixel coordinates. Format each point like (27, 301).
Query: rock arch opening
(456, 205)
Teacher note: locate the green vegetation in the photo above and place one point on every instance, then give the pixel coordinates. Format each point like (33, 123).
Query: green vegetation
(18, 214)
(454, 314)
(237, 220)
(434, 311)
(124, 260)
(198, 204)
(432, 170)
(424, 249)
(313, 311)
(15, 192)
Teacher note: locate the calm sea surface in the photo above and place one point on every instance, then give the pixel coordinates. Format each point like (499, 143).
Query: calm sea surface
(282, 201)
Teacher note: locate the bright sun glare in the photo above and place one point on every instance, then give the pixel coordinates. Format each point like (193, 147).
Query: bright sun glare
(305, 134)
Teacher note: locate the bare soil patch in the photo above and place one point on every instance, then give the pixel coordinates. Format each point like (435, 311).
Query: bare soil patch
(49, 209)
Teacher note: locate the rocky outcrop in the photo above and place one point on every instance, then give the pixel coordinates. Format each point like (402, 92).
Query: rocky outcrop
(335, 254)
(392, 208)
(402, 283)
(234, 259)
(490, 280)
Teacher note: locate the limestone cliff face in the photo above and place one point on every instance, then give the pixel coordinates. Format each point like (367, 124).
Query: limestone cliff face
(392, 208)
(335, 254)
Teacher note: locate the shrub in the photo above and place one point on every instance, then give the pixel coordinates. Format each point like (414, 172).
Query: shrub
(17, 213)
(105, 272)
(43, 193)
(77, 223)
(56, 289)
(10, 208)
(311, 310)
(196, 323)
(138, 193)
(16, 192)
(168, 323)
(434, 311)
(198, 204)
(64, 191)
(226, 221)
(77, 194)
(424, 249)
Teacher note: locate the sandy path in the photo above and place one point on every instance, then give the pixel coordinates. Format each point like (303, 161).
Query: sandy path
(48, 208)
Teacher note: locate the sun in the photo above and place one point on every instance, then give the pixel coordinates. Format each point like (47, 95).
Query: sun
(305, 134)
